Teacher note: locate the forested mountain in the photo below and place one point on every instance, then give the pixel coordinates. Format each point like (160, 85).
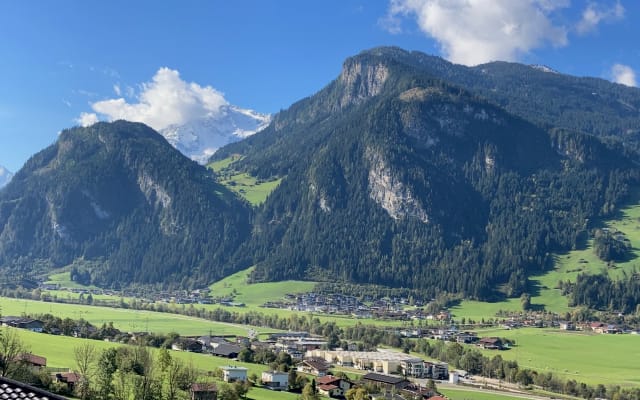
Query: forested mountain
(397, 176)
(122, 205)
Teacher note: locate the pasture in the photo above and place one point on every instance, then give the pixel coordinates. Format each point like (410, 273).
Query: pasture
(477, 394)
(125, 319)
(585, 357)
(253, 190)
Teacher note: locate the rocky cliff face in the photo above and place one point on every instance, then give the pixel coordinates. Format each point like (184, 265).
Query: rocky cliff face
(390, 193)
(361, 81)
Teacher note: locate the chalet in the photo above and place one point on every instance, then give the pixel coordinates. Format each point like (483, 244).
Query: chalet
(189, 345)
(68, 378)
(275, 380)
(491, 343)
(386, 382)
(567, 326)
(231, 374)
(35, 363)
(227, 350)
(314, 366)
(333, 386)
(33, 325)
(598, 327)
(203, 391)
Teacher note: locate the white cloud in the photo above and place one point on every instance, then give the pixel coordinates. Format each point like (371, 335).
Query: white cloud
(116, 89)
(623, 74)
(166, 100)
(594, 14)
(477, 31)
(87, 119)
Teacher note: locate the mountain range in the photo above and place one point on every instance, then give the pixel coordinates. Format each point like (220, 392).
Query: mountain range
(199, 139)
(405, 171)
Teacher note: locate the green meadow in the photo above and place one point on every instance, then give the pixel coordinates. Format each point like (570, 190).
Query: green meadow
(247, 186)
(588, 358)
(125, 319)
(476, 394)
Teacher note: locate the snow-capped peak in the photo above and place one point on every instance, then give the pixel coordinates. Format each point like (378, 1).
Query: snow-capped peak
(200, 138)
(544, 68)
(5, 176)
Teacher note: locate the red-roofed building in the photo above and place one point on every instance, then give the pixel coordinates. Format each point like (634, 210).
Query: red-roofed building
(333, 386)
(204, 391)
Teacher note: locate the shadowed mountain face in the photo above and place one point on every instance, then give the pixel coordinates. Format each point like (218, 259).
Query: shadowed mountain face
(396, 176)
(124, 207)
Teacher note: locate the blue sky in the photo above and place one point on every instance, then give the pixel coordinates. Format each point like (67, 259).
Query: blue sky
(64, 58)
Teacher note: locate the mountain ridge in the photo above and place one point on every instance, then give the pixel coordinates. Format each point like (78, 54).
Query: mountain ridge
(118, 202)
(393, 175)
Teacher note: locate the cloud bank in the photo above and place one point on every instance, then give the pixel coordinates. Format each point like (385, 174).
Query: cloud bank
(166, 100)
(623, 74)
(594, 14)
(472, 32)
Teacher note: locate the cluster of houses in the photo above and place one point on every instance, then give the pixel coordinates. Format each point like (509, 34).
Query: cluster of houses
(339, 304)
(385, 362)
(30, 324)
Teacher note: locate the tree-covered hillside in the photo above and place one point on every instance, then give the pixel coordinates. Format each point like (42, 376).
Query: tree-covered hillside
(396, 177)
(122, 205)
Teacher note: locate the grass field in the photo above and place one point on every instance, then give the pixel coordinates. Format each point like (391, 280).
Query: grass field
(244, 184)
(588, 358)
(258, 293)
(461, 394)
(125, 319)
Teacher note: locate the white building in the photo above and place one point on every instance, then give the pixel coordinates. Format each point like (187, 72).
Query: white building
(275, 379)
(230, 374)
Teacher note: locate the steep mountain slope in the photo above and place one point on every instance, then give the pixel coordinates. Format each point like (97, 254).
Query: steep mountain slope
(393, 176)
(5, 176)
(124, 206)
(200, 138)
(539, 94)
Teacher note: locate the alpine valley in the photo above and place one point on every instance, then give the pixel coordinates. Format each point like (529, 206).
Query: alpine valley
(406, 171)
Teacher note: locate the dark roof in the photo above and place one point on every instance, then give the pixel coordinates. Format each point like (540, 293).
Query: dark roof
(388, 379)
(10, 389)
(318, 364)
(226, 349)
(69, 377)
